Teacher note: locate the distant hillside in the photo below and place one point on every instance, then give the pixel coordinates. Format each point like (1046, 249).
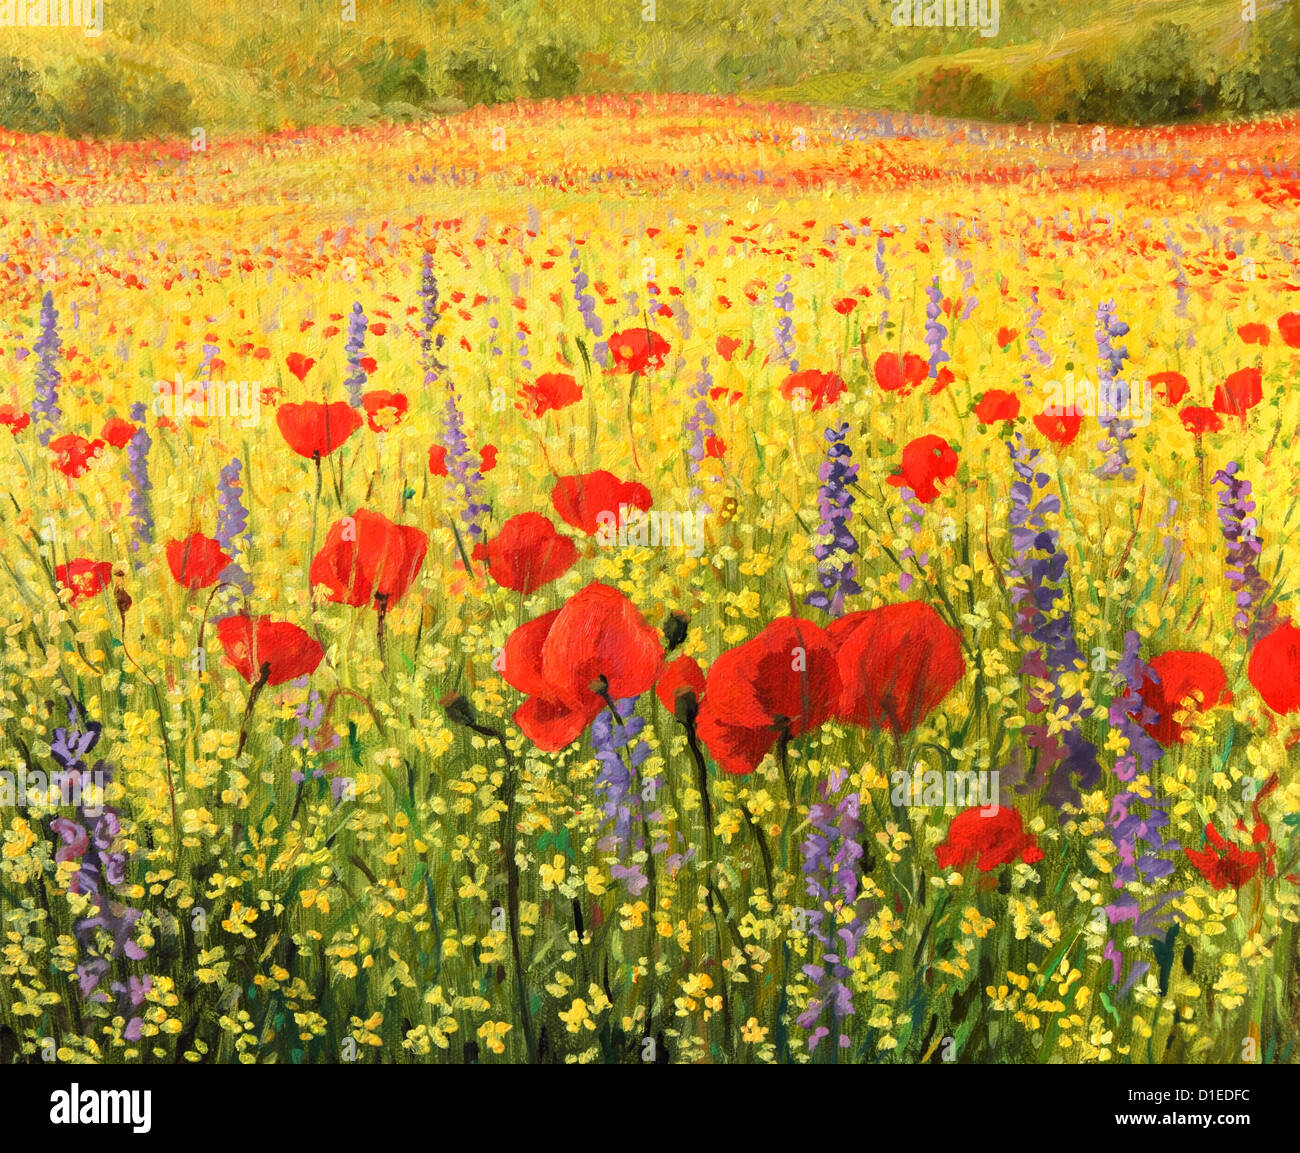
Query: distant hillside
(162, 67)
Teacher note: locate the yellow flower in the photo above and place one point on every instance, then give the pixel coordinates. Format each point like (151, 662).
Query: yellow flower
(492, 1034)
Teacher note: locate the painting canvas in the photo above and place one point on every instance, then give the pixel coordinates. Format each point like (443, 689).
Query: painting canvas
(648, 533)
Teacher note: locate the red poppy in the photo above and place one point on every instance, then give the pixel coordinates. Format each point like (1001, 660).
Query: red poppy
(313, 429)
(896, 664)
(785, 680)
(551, 392)
(1060, 429)
(635, 350)
(896, 373)
(714, 447)
(1289, 327)
(384, 410)
(13, 418)
(997, 405)
(944, 377)
(1184, 682)
(568, 661)
(438, 459)
(1240, 392)
(989, 838)
(1227, 864)
(367, 558)
(580, 500)
(118, 432)
(680, 677)
(1274, 668)
(254, 645)
(926, 461)
(487, 458)
(73, 455)
(1006, 336)
(845, 305)
(1254, 334)
(298, 364)
(527, 553)
(197, 561)
(726, 346)
(1173, 385)
(1198, 419)
(84, 578)
(822, 388)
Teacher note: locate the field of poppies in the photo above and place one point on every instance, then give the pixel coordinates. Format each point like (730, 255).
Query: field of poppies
(651, 580)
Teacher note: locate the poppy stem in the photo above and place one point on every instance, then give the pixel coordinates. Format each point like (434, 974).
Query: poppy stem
(460, 711)
(381, 608)
(315, 510)
(254, 693)
(631, 431)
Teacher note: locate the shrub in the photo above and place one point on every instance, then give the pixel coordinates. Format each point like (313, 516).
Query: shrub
(23, 103)
(476, 80)
(959, 91)
(553, 71)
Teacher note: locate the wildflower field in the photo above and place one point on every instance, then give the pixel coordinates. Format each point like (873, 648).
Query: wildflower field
(651, 580)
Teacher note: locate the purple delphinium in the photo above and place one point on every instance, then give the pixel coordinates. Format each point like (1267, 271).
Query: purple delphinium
(831, 852)
(1180, 284)
(1112, 394)
(1034, 336)
(232, 523)
(1174, 554)
(913, 519)
(935, 333)
(1256, 615)
(835, 569)
(883, 272)
(1037, 573)
(587, 306)
(1127, 822)
(783, 300)
(969, 299)
(91, 840)
(138, 482)
(431, 340)
(620, 796)
(355, 346)
(700, 424)
(45, 406)
(462, 465)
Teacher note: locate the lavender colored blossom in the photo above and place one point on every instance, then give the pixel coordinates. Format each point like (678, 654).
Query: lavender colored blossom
(700, 424)
(138, 482)
(618, 791)
(835, 571)
(830, 855)
(431, 339)
(935, 333)
(587, 305)
(1257, 614)
(45, 407)
(783, 300)
(1137, 823)
(1037, 573)
(1112, 394)
(355, 382)
(232, 523)
(91, 840)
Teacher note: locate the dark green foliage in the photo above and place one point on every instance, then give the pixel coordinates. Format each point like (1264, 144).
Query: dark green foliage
(23, 104)
(477, 80)
(553, 71)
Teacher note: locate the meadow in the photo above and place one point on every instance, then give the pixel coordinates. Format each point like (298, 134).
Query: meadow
(651, 579)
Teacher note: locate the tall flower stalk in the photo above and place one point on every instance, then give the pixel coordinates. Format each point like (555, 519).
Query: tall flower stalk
(355, 382)
(1037, 573)
(48, 346)
(139, 484)
(836, 571)
(1257, 614)
(1112, 394)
